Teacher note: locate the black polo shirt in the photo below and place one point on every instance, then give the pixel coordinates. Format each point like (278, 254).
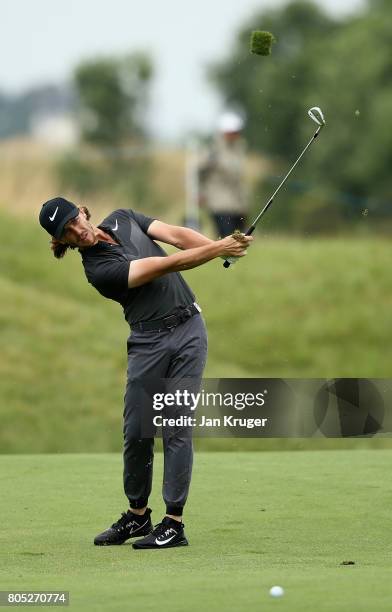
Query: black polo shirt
(107, 267)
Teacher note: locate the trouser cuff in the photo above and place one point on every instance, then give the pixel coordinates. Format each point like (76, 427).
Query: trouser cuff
(175, 510)
(138, 503)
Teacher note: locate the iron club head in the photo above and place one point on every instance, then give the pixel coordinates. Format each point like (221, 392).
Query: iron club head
(316, 114)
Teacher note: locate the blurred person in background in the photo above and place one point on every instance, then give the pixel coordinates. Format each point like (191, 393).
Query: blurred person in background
(221, 177)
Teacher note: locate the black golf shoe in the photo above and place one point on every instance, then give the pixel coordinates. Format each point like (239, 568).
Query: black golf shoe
(128, 526)
(167, 534)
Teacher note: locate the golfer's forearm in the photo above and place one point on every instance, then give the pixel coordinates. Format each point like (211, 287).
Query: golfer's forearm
(187, 238)
(145, 270)
(193, 257)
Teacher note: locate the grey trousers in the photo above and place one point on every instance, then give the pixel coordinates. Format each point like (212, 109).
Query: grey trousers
(178, 353)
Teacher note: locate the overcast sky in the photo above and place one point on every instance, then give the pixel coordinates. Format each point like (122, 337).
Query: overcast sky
(42, 40)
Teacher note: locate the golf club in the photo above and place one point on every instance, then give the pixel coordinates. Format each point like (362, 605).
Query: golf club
(315, 113)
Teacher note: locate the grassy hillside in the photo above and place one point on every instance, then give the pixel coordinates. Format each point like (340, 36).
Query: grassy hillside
(292, 308)
(298, 520)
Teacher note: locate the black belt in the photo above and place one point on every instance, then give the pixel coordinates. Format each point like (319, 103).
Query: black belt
(170, 321)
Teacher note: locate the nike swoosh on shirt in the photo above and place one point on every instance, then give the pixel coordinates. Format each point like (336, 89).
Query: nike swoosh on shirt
(115, 228)
(54, 214)
(160, 543)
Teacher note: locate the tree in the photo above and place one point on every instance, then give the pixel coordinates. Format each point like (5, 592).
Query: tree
(270, 90)
(113, 100)
(342, 66)
(113, 93)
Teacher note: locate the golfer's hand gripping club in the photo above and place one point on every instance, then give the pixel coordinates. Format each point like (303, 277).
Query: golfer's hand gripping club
(236, 246)
(232, 260)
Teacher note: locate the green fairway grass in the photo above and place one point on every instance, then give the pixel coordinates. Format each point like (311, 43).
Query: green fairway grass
(253, 520)
(292, 308)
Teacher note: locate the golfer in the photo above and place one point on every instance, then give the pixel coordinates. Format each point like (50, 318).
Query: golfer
(168, 341)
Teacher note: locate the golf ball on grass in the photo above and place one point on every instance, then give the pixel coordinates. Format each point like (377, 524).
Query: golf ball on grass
(276, 591)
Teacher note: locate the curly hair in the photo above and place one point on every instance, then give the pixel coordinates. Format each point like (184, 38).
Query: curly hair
(59, 249)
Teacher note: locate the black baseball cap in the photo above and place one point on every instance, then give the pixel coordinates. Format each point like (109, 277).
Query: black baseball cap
(54, 215)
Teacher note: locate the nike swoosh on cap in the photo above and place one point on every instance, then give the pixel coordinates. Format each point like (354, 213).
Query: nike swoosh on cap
(54, 214)
(115, 228)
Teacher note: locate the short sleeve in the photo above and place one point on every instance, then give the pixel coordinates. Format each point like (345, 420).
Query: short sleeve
(143, 221)
(110, 278)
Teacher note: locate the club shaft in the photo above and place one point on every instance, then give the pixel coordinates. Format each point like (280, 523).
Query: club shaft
(266, 207)
(252, 228)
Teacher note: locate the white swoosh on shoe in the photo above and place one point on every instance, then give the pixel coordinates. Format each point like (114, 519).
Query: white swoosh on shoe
(54, 214)
(160, 543)
(115, 228)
